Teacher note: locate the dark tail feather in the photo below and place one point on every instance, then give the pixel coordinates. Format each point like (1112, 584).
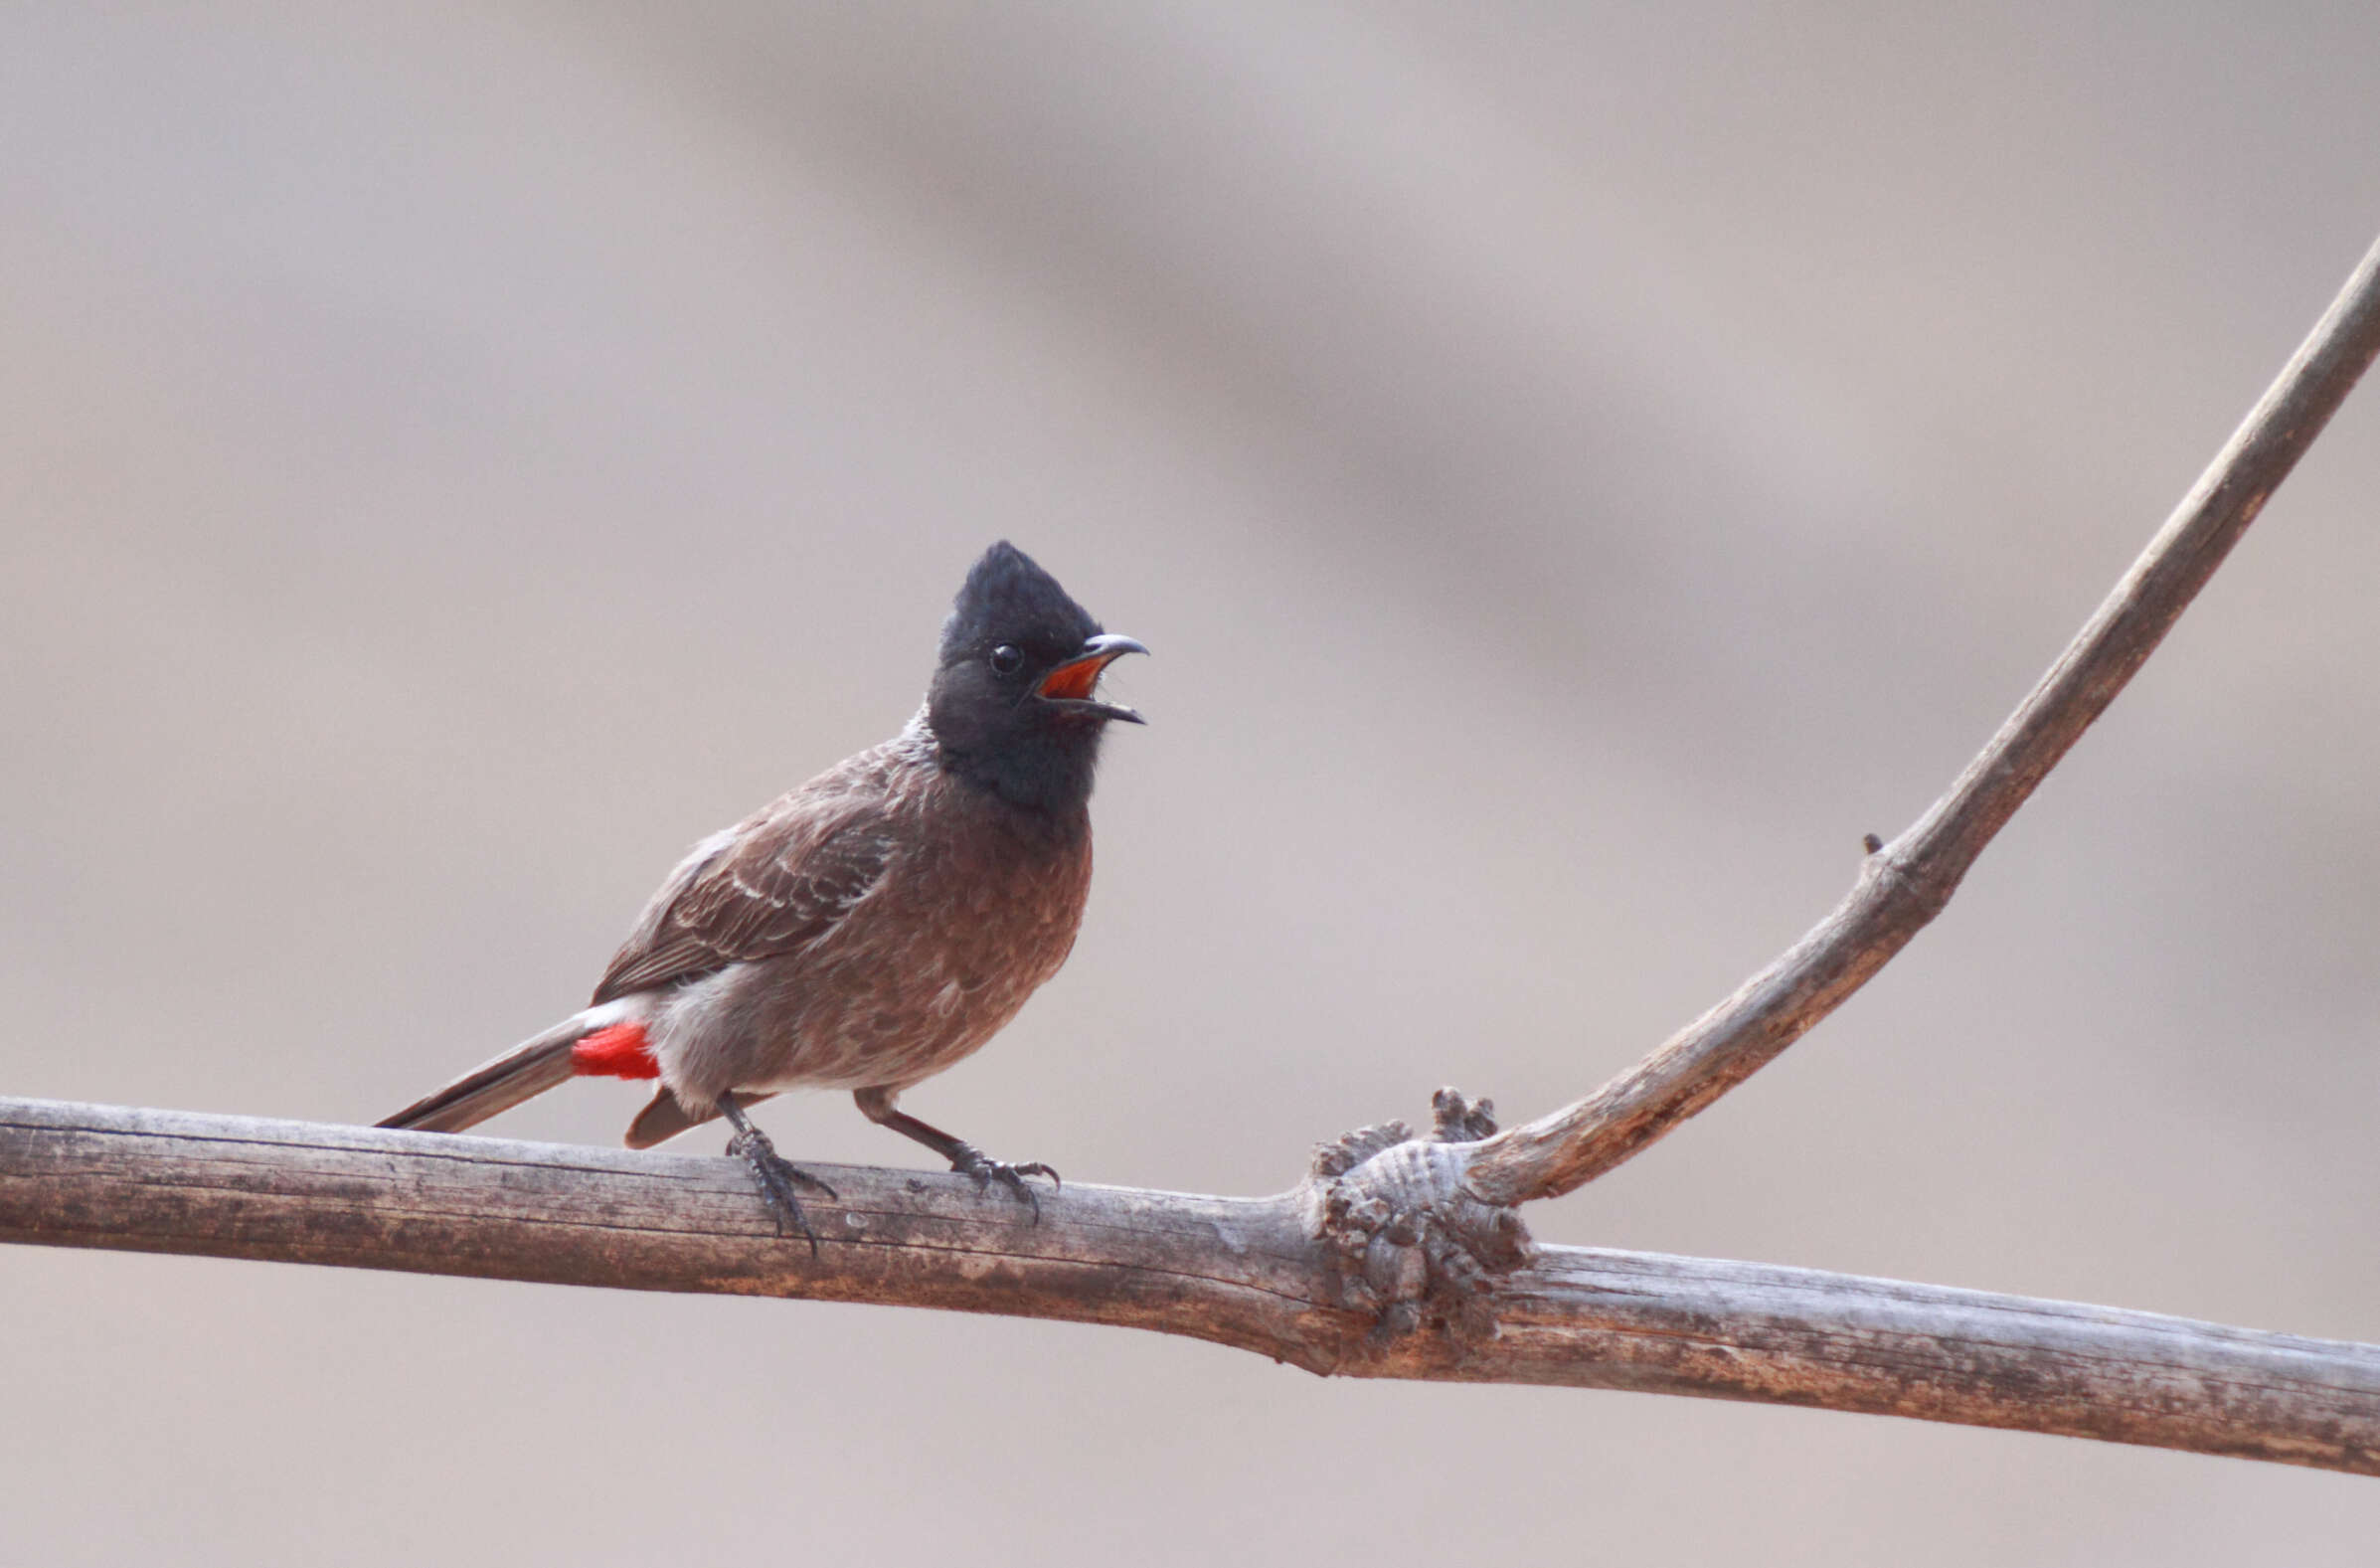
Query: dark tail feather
(527, 1070)
(666, 1118)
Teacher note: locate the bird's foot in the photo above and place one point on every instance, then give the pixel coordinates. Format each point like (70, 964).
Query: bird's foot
(777, 1178)
(973, 1162)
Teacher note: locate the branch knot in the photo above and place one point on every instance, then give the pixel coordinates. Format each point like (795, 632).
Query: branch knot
(1412, 1245)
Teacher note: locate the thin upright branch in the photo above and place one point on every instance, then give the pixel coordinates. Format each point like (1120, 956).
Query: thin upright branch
(1904, 884)
(1239, 1272)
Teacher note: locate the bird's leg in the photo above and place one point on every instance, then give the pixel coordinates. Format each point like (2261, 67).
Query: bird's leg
(964, 1158)
(777, 1178)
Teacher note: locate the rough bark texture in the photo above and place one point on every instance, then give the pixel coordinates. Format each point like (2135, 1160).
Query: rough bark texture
(1906, 883)
(1352, 1274)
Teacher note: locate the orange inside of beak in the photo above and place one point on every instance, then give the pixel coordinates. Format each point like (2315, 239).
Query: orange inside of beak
(1075, 680)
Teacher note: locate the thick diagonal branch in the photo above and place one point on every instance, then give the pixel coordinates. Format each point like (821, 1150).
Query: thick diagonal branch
(1245, 1273)
(1906, 883)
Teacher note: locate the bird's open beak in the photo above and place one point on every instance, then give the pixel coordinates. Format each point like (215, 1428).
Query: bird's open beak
(1071, 684)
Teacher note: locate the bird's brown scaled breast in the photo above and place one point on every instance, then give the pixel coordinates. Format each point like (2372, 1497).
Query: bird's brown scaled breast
(977, 905)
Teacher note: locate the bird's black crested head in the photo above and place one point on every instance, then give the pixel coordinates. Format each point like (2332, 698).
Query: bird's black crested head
(1013, 704)
(1008, 598)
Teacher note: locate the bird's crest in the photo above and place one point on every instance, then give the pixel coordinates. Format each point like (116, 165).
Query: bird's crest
(1008, 598)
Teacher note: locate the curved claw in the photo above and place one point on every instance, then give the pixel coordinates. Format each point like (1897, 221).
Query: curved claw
(975, 1163)
(777, 1178)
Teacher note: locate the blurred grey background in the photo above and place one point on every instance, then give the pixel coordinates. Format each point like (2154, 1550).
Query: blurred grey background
(1579, 467)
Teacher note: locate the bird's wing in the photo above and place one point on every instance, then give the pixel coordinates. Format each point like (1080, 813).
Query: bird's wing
(769, 886)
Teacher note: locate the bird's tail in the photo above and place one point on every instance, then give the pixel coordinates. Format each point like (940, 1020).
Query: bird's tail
(601, 1040)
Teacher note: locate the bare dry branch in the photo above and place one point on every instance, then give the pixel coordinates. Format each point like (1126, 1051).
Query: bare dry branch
(1245, 1273)
(1906, 883)
(1399, 1256)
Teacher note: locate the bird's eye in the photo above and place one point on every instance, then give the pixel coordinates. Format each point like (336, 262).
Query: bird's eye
(1007, 658)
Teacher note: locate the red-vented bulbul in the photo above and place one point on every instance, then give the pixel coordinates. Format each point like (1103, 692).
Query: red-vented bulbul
(871, 928)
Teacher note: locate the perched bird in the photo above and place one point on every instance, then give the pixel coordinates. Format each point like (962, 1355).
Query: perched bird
(871, 928)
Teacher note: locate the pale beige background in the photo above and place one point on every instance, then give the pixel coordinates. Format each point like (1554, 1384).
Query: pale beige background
(1579, 469)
